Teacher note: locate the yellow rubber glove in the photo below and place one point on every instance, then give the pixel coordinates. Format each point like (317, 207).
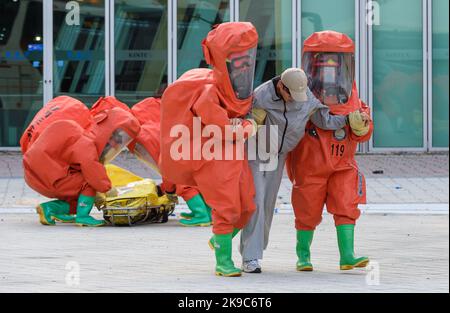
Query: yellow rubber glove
(260, 116)
(359, 126)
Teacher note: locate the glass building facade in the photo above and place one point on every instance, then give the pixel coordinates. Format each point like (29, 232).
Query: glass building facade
(133, 48)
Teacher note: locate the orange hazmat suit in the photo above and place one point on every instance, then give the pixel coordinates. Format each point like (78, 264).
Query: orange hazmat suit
(323, 168)
(148, 113)
(213, 97)
(64, 161)
(62, 107)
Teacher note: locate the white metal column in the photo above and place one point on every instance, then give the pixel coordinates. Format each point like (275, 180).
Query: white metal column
(47, 7)
(426, 77)
(300, 30)
(109, 49)
(361, 34)
(172, 45)
(430, 78)
(430, 74)
(426, 56)
(234, 10)
(296, 34)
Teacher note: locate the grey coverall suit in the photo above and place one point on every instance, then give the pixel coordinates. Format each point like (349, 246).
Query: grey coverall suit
(291, 119)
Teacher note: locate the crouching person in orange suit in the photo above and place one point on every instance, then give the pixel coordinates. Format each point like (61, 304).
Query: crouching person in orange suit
(66, 162)
(146, 147)
(323, 167)
(213, 101)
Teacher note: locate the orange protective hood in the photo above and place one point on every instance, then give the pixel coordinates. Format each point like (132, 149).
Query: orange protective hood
(223, 40)
(329, 41)
(109, 121)
(148, 113)
(108, 103)
(59, 108)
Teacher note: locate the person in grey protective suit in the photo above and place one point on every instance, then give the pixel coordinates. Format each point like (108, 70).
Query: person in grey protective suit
(286, 103)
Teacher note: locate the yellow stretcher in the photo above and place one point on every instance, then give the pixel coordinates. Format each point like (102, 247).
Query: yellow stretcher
(133, 200)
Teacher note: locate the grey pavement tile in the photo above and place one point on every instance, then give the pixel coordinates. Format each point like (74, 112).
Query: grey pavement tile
(170, 258)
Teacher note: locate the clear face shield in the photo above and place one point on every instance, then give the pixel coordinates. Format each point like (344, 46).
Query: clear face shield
(330, 76)
(144, 156)
(116, 144)
(241, 70)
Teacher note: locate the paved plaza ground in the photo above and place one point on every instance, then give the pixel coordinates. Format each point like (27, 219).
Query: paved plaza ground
(404, 230)
(410, 254)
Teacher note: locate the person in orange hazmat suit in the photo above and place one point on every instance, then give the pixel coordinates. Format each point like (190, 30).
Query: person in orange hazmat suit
(146, 147)
(62, 107)
(323, 167)
(67, 161)
(203, 102)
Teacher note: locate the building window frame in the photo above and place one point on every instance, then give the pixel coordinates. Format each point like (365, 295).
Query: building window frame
(425, 83)
(431, 148)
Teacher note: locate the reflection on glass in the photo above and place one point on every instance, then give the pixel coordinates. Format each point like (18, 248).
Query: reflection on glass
(141, 49)
(440, 74)
(398, 75)
(319, 15)
(79, 49)
(194, 20)
(273, 20)
(21, 55)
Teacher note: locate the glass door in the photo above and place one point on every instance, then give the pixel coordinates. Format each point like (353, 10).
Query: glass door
(194, 20)
(21, 67)
(140, 43)
(319, 15)
(439, 78)
(79, 49)
(398, 77)
(273, 20)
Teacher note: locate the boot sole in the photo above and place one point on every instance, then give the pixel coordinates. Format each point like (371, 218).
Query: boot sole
(257, 271)
(42, 219)
(305, 269)
(61, 221)
(83, 225)
(229, 275)
(197, 225)
(361, 264)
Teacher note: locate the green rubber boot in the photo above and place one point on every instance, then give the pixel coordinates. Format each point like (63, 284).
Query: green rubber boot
(346, 235)
(190, 215)
(304, 240)
(201, 213)
(211, 240)
(84, 208)
(187, 216)
(224, 263)
(44, 212)
(54, 210)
